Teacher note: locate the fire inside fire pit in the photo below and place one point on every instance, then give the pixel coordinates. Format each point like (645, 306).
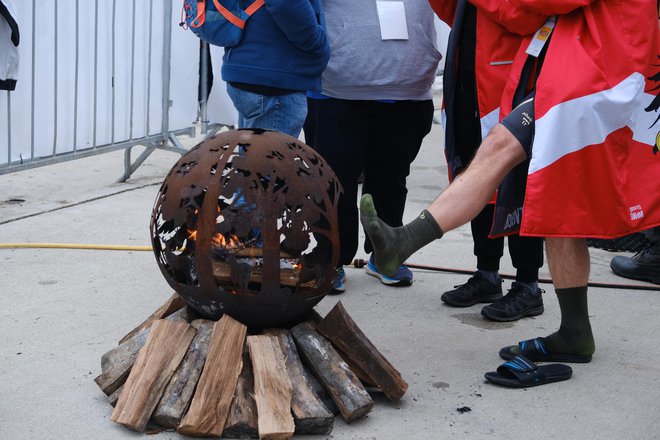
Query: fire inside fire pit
(245, 224)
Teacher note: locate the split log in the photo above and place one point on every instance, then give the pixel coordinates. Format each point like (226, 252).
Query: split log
(112, 398)
(166, 345)
(341, 383)
(310, 414)
(256, 252)
(242, 420)
(178, 393)
(273, 390)
(359, 372)
(313, 317)
(174, 303)
(116, 364)
(210, 405)
(320, 392)
(342, 331)
(222, 272)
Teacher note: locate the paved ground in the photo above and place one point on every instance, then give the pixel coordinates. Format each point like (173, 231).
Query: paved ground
(63, 308)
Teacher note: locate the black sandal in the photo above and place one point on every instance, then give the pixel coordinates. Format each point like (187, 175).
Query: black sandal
(536, 351)
(520, 372)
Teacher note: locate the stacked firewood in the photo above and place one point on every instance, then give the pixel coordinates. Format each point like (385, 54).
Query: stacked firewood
(216, 378)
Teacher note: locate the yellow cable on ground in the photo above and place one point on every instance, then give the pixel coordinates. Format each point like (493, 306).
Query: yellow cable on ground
(102, 247)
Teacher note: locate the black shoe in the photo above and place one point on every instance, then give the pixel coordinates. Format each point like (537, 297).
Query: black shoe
(643, 266)
(476, 290)
(517, 303)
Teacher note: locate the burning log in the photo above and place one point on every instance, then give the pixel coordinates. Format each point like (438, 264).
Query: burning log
(227, 273)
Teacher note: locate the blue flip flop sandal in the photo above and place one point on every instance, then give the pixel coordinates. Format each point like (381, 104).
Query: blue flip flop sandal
(520, 372)
(536, 351)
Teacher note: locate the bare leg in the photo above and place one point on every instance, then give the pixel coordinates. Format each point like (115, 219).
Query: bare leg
(458, 204)
(568, 260)
(469, 193)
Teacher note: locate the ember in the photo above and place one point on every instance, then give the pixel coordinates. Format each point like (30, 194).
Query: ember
(236, 224)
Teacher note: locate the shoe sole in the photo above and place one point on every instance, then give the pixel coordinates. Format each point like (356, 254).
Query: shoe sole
(386, 280)
(527, 313)
(480, 300)
(338, 290)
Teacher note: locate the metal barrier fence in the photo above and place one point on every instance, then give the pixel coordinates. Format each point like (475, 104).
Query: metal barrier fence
(96, 77)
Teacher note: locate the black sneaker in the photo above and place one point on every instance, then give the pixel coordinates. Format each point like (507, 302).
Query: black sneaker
(643, 266)
(476, 290)
(517, 303)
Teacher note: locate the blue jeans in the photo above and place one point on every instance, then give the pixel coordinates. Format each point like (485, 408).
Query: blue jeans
(283, 113)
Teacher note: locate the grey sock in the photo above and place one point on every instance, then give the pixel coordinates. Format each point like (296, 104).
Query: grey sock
(393, 245)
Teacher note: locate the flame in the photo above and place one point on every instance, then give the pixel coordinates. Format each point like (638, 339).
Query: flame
(232, 242)
(219, 240)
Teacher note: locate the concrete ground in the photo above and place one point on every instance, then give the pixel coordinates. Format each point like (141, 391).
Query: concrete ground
(61, 309)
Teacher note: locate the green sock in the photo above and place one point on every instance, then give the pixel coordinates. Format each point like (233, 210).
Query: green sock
(393, 245)
(574, 335)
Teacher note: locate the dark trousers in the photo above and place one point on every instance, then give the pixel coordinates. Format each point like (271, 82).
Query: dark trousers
(526, 252)
(653, 236)
(375, 138)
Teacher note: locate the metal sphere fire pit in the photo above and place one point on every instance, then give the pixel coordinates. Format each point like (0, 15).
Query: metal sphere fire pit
(245, 223)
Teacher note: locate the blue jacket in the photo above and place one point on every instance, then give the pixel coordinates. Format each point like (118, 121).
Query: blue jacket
(284, 45)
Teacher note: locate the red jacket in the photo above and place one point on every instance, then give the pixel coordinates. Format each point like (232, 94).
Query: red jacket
(500, 27)
(594, 168)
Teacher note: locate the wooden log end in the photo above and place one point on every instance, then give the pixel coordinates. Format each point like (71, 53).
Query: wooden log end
(314, 426)
(240, 430)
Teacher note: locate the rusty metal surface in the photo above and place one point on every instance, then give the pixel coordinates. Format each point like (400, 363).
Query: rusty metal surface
(245, 223)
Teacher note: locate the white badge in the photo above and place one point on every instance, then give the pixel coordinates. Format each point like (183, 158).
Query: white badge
(392, 18)
(541, 37)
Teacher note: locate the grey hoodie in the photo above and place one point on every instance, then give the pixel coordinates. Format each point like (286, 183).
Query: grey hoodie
(362, 66)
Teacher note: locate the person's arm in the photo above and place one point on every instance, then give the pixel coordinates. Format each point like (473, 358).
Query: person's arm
(299, 23)
(513, 18)
(550, 7)
(444, 9)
